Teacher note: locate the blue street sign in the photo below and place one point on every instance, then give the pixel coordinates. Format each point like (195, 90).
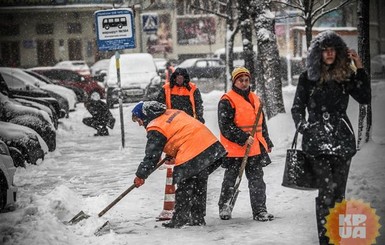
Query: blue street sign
(149, 22)
(115, 29)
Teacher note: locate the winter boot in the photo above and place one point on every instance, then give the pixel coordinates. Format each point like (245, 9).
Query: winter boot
(225, 212)
(263, 216)
(104, 131)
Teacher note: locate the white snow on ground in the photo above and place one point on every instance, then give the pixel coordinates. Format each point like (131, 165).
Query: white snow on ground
(87, 173)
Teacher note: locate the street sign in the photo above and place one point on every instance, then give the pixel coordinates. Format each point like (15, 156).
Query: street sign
(115, 29)
(150, 22)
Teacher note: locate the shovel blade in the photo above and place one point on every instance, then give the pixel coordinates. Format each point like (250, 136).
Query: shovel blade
(79, 217)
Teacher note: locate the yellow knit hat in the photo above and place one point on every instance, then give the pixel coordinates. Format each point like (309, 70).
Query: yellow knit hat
(238, 72)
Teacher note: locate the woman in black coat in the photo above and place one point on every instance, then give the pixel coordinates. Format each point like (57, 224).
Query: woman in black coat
(328, 137)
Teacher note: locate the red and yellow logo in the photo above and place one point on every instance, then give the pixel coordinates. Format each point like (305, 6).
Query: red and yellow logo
(352, 222)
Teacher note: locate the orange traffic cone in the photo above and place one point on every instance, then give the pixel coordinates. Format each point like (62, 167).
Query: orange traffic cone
(169, 193)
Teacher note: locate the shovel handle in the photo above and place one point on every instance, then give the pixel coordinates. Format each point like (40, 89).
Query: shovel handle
(126, 192)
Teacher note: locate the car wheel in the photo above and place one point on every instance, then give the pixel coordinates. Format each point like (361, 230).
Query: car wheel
(3, 190)
(95, 96)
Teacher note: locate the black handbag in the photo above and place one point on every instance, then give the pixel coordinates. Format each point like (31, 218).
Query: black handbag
(298, 174)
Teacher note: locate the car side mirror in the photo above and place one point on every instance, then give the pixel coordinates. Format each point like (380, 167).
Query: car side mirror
(27, 87)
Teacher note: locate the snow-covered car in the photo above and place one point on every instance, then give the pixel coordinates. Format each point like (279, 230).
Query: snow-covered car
(139, 78)
(99, 70)
(63, 95)
(31, 145)
(56, 91)
(38, 120)
(21, 87)
(72, 78)
(377, 65)
(7, 172)
(80, 66)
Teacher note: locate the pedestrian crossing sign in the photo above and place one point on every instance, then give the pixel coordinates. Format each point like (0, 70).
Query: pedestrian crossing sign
(150, 22)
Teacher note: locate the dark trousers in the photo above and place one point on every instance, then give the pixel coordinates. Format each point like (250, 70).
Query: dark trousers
(256, 184)
(332, 175)
(190, 200)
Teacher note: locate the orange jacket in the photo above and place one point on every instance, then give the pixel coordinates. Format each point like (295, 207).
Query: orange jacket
(245, 115)
(176, 90)
(186, 137)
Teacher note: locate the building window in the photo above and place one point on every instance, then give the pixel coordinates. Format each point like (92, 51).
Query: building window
(74, 28)
(9, 30)
(44, 29)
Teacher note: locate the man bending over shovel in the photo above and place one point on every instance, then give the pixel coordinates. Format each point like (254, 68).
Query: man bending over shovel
(197, 154)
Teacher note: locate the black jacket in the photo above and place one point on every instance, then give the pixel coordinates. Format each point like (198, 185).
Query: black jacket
(328, 130)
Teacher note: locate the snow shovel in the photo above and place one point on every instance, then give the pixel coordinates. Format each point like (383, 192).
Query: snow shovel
(229, 205)
(81, 215)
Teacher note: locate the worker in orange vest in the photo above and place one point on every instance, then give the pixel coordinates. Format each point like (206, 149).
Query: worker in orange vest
(180, 93)
(237, 112)
(197, 154)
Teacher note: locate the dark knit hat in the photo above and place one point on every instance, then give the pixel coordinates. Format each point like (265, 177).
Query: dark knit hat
(238, 72)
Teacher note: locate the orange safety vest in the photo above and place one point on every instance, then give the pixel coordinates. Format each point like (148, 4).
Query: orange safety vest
(180, 91)
(245, 115)
(186, 138)
(168, 73)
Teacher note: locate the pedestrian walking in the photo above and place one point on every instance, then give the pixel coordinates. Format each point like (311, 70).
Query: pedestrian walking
(237, 112)
(197, 154)
(328, 137)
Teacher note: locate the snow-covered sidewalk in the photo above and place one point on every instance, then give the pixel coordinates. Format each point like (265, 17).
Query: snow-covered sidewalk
(87, 173)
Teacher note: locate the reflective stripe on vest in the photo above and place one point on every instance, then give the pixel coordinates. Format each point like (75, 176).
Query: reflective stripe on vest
(186, 137)
(180, 91)
(244, 118)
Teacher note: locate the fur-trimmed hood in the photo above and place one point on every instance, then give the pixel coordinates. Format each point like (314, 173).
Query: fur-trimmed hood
(314, 58)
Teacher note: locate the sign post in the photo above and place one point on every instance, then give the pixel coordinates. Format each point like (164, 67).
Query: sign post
(115, 31)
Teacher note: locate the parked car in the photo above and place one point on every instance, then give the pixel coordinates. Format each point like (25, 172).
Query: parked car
(13, 111)
(24, 90)
(80, 66)
(8, 190)
(71, 78)
(61, 94)
(204, 67)
(377, 65)
(99, 70)
(25, 139)
(57, 90)
(139, 79)
(160, 65)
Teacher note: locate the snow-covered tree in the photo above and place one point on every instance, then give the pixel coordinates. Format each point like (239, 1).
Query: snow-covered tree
(269, 85)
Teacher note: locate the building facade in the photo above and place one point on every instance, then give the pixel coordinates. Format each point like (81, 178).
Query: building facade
(43, 32)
